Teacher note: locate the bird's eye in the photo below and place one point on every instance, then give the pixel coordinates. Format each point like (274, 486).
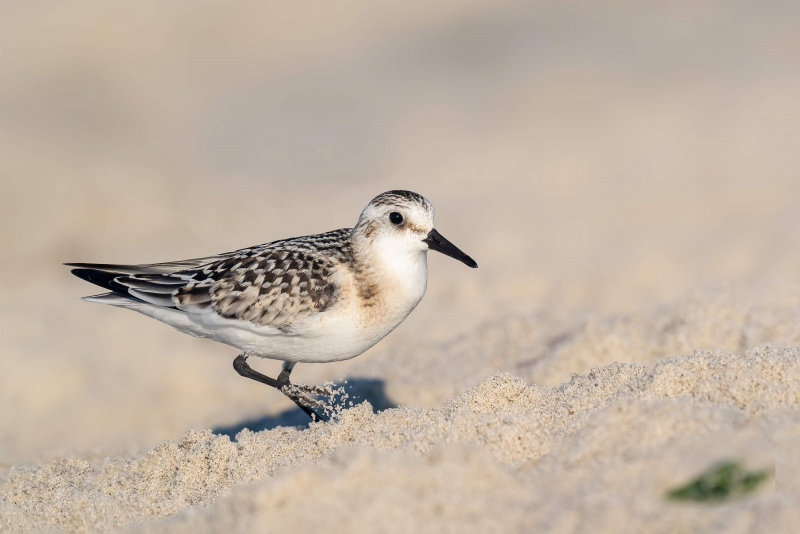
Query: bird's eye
(396, 218)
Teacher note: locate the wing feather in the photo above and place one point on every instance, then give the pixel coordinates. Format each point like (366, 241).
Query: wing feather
(274, 284)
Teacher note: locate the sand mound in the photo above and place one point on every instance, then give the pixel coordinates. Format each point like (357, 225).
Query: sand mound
(600, 450)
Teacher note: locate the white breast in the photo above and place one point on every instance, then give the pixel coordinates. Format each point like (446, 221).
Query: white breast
(355, 324)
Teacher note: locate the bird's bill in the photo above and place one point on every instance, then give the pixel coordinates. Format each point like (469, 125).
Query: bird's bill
(437, 242)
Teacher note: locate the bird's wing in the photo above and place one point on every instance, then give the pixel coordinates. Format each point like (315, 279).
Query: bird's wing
(270, 285)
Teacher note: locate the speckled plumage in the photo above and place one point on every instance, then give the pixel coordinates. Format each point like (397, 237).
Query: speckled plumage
(272, 284)
(321, 297)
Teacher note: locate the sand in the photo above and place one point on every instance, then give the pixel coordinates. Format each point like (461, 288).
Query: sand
(624, 173)
(599, 451)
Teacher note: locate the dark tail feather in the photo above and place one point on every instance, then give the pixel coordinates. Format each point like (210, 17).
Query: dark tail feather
(149, 268)
(115, 268)
(131, 287)
(103, 279)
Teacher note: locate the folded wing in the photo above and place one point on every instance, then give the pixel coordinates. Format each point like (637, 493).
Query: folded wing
(264, 286)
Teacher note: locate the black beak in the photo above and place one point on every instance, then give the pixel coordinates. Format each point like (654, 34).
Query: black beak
(436, 241)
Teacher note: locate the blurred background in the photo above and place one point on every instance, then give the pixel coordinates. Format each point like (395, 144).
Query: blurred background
(595, 158)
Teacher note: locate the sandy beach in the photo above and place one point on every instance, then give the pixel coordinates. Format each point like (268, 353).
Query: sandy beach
(626, 176)
(598, 451)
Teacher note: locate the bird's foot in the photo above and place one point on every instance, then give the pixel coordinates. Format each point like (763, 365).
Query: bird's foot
(305, 397)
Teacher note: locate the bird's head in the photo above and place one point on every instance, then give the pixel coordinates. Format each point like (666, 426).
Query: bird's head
(401, 222)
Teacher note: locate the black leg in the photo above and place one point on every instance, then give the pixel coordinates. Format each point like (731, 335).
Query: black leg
(282, 384)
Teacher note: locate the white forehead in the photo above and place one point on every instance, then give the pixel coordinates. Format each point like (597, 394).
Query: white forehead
(411, 204)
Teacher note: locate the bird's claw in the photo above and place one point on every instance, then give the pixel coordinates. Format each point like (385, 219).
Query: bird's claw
(303, 395)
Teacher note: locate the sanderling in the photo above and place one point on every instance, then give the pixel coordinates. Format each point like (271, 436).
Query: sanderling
(318, 298)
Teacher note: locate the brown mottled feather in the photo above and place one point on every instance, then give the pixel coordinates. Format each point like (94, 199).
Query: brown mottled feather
(273, 284)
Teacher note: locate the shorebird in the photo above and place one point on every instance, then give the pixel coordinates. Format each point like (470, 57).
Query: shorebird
(312, 299)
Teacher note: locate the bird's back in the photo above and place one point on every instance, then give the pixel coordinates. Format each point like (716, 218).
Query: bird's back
(267, 285)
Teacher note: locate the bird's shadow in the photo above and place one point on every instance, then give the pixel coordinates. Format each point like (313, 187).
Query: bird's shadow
(357, 390)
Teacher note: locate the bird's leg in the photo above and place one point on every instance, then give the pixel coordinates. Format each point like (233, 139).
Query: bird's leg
(282, 384)
(286, 370)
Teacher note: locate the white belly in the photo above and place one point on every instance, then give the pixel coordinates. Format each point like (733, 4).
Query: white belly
(325, 337)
